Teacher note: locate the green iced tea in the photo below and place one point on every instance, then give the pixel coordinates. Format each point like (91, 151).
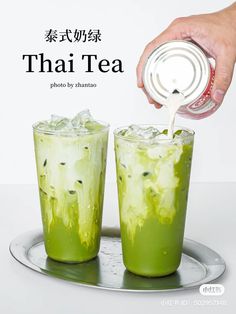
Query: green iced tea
(153, 178)
(71, 163)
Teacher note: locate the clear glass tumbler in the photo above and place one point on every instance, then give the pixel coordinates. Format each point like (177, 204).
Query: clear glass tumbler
(71, 175)
(153, 183)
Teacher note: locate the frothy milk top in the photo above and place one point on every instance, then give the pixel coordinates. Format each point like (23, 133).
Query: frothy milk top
(82, 123)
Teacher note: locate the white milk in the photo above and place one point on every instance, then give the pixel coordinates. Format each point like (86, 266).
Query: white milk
(173, 103)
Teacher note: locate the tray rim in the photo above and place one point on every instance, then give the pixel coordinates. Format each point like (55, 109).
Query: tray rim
(115, 233)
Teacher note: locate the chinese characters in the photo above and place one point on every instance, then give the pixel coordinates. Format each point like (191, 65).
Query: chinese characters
(77, 35)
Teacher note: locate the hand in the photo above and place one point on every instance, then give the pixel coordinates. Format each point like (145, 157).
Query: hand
(215, 33)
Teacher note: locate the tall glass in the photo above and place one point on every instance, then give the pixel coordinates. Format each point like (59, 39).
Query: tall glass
(71, 174)
(153, 182)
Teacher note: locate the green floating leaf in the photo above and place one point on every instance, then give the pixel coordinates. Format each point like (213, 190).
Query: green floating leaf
(178, 132)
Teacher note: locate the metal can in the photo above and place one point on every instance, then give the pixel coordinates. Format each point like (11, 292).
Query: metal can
(181, 66)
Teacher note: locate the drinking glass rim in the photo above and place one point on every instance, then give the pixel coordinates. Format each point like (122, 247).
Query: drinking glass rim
(167, 140)
(72, 132)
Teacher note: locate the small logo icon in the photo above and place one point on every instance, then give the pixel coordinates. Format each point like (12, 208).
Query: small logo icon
(212, 289)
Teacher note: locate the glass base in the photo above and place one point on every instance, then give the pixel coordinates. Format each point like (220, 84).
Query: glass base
(199, 265)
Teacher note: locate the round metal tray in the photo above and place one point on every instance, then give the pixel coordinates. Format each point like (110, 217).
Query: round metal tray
(199, 265)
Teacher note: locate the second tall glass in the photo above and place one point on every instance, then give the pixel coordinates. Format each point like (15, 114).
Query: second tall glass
(153, 180)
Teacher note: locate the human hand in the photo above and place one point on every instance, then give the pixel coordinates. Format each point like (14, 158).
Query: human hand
(215, 33)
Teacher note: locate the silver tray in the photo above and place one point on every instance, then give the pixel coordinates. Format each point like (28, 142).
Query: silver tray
(199, 265)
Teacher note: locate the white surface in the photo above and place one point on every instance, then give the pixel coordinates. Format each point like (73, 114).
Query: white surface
(126, 26)
(210, 220)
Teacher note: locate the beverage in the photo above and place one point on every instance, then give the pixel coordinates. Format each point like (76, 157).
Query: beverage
(173, 103)
(153, 174)
(181, 66)
(71, 163)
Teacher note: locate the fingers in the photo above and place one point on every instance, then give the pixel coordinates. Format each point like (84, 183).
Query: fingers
(150, 100)
(158, 106)
(223, 76)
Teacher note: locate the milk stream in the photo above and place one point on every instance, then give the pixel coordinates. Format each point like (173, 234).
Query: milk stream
(173, 103)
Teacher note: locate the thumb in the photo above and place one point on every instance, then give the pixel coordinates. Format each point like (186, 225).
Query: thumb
(223, 77)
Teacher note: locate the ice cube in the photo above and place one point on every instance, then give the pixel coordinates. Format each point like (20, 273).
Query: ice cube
(132, 131)
(55, 118)
(144, 132)
(150, 132)
(185, 133)
(43, 125)
(82, 123)
(181, 133)
(82, 118)
(59, 123)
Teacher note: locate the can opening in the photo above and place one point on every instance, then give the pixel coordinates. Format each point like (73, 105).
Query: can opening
(175, 91)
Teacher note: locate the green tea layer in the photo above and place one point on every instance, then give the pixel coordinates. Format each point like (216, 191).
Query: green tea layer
(153, 180)
(71, 174)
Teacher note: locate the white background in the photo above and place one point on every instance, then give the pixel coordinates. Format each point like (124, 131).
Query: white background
(126, 26)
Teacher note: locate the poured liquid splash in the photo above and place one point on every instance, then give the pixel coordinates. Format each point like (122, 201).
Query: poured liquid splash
(173, 103)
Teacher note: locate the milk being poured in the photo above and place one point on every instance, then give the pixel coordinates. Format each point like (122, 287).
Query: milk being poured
(173, 103)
